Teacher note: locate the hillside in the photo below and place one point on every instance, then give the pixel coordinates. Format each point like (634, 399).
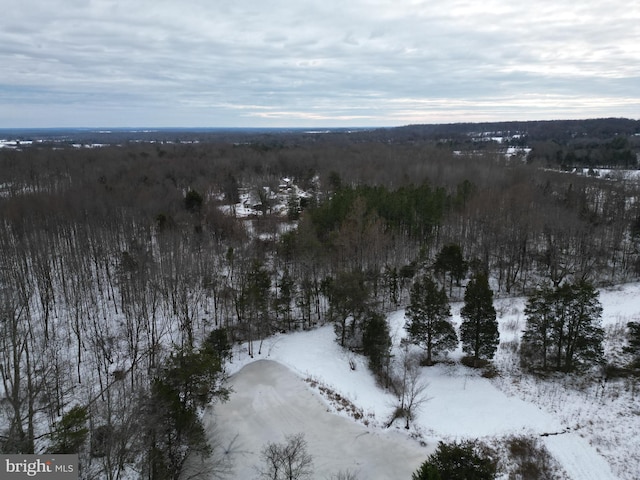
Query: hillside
(588, 426)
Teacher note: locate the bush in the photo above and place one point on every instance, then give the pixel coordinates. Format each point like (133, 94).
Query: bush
(426, 472)
(467, 460)
(472, 362)
(490, 371)
(531, 460)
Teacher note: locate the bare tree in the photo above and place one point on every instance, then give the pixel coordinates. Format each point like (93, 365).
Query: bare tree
(411, 389)
(345, 475)
(287, 461)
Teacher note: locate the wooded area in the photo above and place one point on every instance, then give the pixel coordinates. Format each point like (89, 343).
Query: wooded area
(126, 271)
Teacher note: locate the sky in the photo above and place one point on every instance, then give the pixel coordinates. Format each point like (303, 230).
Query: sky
(297, 63)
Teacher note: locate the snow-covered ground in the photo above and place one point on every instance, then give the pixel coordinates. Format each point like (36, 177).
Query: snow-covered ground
(270, 402)
(609, 173)
(589, 427)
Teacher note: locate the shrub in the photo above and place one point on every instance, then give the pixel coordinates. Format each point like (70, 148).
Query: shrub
(468, 460)
(472, 362)
(490, 371)
(531, 460)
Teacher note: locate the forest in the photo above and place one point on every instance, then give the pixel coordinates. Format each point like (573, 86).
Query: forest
(127, 271)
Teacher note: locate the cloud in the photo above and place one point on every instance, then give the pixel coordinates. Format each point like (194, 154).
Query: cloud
(283, 63)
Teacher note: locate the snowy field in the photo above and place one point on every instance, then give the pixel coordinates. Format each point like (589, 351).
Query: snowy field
(270, 401)
(590, 427)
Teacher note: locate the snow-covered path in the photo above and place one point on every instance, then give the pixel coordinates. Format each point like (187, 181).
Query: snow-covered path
(578, 458)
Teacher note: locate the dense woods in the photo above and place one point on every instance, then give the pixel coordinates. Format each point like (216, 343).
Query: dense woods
(127, 271)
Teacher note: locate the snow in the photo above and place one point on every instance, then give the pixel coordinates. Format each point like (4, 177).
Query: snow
(464, 404)
(270, 402)
(578, 457)
(14, 144)
(590, 430)
(315, 355)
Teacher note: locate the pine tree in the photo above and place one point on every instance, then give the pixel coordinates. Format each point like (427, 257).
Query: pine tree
(450, 260)
(458, 461)
(429, 314)
(348, 301)
(255, 300)
(193, 201)
(563, 328)
(71, 431)
(633, 343)
(282, 301)
(479, 329)
(536, 339)
(190, 380)
(584, 335)
(376, 342)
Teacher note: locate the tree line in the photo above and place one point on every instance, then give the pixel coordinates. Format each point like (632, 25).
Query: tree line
(122, 280)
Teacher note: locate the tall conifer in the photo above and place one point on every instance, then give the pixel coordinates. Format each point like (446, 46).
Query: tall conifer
(479, 329)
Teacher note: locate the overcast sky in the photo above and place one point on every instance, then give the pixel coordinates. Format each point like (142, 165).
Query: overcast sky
(242, 63)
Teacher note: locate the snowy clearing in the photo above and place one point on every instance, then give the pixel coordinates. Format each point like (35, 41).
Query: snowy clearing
(586, 430)
(270, 401)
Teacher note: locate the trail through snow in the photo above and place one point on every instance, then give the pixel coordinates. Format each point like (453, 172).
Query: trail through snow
(578, 458)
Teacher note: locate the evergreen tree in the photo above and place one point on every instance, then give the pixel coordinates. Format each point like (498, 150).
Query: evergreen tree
(536, 339)
(429, 314)
(348, 301)
(376, 342)
(450, 260)
(479, 329)
(283, 299)
(633, 343)
(188, 383)
(458, 461)
(426, 471)
(217, 344)
(71, 431)
(584, 334)
(193, 201)
(254, 302)
(563, 328)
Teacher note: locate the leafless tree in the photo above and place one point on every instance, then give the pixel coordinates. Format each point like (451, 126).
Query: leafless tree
(286, 461)
(410, 387)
